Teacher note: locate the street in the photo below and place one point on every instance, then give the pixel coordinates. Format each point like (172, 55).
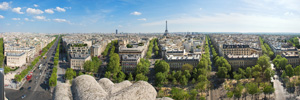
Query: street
(37, 88)
(279, 89)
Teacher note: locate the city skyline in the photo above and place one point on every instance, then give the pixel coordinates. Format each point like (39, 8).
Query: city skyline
(141, 16)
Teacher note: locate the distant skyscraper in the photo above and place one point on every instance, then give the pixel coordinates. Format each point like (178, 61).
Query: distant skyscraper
(2, 84)
(116, 31)
(166, 31)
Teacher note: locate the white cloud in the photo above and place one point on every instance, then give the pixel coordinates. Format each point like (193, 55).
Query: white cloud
(200, 8)
(143, 19)
(16, 19)
(35, 5)
(17, 10)
(40, 17)
(273, 4)
(60, 20)
(4, 5)
(49, 11)
(289, 14)
(60, 9)
(120, 26)
(27, 19)
(1, 17)
(233, 22)
(136, 13)
(34, 11)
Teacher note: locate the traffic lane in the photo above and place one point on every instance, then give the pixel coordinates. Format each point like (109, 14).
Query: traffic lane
(41, 77)
(31, 95)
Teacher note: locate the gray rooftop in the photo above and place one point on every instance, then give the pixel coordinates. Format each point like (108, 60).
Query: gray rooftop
(15, 54)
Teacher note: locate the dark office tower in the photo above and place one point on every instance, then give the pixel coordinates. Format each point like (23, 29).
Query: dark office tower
(116, 31)
(166, 31)
(1, 84)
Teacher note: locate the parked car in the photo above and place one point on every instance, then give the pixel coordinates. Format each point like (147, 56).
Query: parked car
(23, 96)
(29, 88)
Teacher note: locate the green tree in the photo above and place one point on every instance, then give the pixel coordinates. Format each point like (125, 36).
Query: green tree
(121, 76)
(193, 81)
(187, 74)
(268, 74)
(96, 63)
(130, 78)
(80, 73)
(188, 67)
(297, 70)
(252, 88)
(237, 92)
(183, 81)
(88, 66)
(53, 80)
(129, 46)
(107, 74)
(263, 61)
(160, 78)
(161, 93)
(229, 94)
(289, 70)
(70, 74)
(283, 62)
(143, 66)
(202, 78)
(248, 72)
(179, 94)
(268, 90)
(114, 63)
(222, 72)
(193, 94)
(161, 66)
(6, 69)
(201, 86)
(283, 75)
(141, 77)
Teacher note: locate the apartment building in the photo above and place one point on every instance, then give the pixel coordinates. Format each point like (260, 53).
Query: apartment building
(77, 60)
(129, 63)
(14, 60)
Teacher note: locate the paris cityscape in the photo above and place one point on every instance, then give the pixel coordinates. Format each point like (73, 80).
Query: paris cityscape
(150, 50)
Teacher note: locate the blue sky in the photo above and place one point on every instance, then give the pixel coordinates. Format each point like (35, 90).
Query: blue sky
(86, 16)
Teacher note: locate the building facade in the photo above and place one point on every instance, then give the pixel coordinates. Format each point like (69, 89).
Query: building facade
(77, 61)
(15, 59)
(129, 63)
(176, 62)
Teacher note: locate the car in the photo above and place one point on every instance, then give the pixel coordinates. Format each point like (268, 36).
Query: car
(21, 88)
(30, 81)
(23, 96)
(29, 88)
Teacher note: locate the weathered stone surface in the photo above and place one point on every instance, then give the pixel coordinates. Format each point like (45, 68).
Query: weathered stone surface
(119, 86)
(62, 92)
(140, 90)
(85, 87)
(106, 84)
(164, 98)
